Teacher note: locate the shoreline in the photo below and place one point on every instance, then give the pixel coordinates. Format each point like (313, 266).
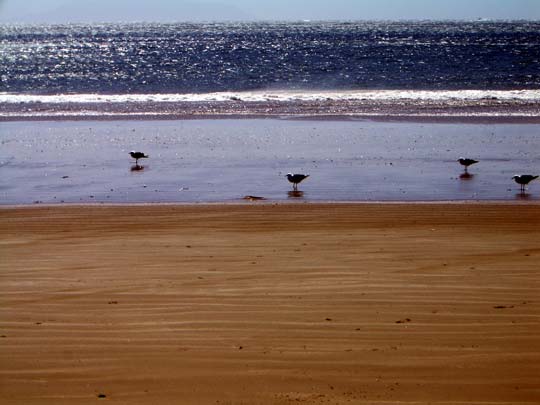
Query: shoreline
(246, 201)
(431, 119)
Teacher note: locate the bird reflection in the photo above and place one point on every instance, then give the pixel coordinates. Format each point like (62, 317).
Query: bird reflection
(137, 168)
(523, 196)
(295, 194)
(466, 176)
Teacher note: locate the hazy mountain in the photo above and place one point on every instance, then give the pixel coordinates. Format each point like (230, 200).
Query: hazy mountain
(234, 10)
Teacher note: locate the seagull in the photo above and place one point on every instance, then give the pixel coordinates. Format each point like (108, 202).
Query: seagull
(466, 162)
(523, 179)
(137, 156)
(296, 178)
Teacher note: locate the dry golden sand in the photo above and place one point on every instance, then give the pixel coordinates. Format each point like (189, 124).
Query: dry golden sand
(271, 304)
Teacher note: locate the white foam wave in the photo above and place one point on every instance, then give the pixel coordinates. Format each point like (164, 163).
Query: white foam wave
(282, 96)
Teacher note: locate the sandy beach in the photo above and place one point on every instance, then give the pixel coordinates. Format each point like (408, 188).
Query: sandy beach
(198, 274)
(271, 304)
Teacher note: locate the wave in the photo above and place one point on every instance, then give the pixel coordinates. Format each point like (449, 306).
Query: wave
(275, 103)
(281, 96)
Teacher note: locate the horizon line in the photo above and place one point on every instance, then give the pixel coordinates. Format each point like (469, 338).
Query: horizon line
(274, 21)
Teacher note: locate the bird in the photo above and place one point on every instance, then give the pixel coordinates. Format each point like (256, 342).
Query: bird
(523, 180)
(466, 162)
(296, 178)
(137, 156)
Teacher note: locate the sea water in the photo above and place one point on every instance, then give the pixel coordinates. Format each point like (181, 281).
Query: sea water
(101, 73)
(461, 68)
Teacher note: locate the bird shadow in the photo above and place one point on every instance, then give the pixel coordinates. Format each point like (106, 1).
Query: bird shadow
(137, 168)
(466, 176)
(295, 194)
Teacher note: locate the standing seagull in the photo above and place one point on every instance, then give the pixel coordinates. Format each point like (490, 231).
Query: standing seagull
(466, 162)
(137, 156)
(296, 178)
(523, 180)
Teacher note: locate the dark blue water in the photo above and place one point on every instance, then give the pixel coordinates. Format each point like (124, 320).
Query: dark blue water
(186, 58)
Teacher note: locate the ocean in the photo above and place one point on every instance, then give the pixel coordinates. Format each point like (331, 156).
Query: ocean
(373, 111)
(481, 68)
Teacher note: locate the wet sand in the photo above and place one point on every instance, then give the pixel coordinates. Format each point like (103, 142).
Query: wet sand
(271, 304)
(225, 160)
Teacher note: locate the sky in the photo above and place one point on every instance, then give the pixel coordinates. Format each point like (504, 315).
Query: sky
(64, 11)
